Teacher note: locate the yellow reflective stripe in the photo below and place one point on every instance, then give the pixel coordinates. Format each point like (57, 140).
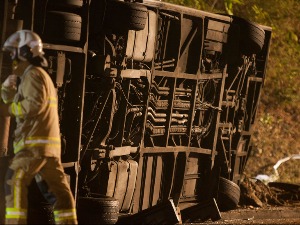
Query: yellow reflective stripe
(17, 188)
(61, 215)
(57, 212)
(15, 213)
(64, 217)
(43, 137)
(52, 101)
(16, 109)
(18, 145)
(53, 98)
(42, 141)
(15, 217)
(37, 142)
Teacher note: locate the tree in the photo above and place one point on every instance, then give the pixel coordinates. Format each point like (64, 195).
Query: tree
(210, 5)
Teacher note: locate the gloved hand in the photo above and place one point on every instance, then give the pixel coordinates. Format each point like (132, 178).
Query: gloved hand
(10, 82)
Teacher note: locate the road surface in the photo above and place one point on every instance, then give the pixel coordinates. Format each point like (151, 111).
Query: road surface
(266, 215)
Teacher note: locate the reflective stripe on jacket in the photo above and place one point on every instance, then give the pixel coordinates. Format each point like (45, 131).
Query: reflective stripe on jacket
(35, 108)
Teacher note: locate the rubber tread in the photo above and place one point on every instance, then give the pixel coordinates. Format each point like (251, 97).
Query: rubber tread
(228, 194)
(131, 16)
(97, 210)
(62, 27)
(64, 4)
(252, 36)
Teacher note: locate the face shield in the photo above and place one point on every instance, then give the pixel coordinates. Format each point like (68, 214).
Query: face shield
(25, 45)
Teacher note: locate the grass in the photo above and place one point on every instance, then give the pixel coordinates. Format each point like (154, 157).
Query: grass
(277, 130)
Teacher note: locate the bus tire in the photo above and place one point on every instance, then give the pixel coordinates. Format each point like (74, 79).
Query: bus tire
(228, 194)
(65, 4)
(97, 210)
(252, 36)
(62, 27)
(130, 16)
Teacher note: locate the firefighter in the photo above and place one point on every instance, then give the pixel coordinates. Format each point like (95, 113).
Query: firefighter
(32, 101)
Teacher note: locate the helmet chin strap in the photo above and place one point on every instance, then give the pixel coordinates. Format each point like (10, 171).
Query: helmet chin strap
(15, 60)
(15, 63)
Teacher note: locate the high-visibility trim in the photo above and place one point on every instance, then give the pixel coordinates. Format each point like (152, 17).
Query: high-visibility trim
(15, 213)
(17, 188)
(37, 142)
(16, 109)
(68, 214)
(52, 101)
(42, 137)
(42, 141)
(18, 146)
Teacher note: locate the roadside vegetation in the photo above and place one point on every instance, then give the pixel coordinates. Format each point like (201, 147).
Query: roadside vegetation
(277, 128)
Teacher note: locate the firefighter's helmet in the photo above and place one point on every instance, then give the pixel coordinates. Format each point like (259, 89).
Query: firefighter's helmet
(25, 45)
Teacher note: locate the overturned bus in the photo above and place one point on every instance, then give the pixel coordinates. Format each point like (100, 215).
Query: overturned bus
(156, 103)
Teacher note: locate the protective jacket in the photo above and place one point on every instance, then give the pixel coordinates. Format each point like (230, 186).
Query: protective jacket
(34, 105)
(36, 146)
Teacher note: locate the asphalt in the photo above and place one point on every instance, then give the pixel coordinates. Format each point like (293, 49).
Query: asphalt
(268, 215)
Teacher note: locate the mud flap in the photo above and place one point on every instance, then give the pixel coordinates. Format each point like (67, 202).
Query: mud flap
(132, 174)
(117, 179)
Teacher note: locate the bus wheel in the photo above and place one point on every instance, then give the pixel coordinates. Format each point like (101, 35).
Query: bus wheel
(65, 4)
(62, 27)
(228, 194)
(252, 36)
(97, 209)
(130, 16)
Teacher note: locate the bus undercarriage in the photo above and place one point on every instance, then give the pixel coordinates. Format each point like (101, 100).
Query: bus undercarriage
(156, 104)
